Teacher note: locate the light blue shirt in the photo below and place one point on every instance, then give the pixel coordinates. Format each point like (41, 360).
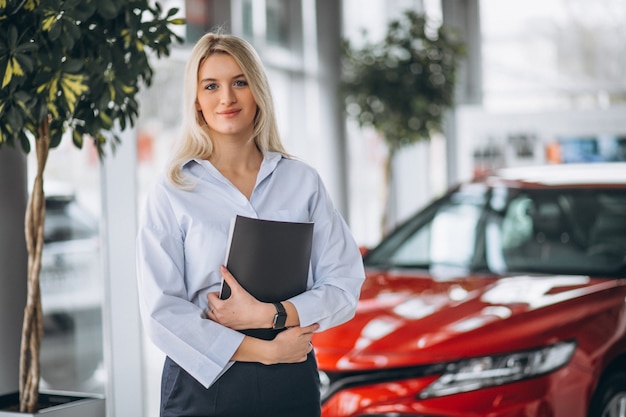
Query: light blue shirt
(182, 243)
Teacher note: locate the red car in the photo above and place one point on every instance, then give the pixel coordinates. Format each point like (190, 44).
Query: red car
(505, 297)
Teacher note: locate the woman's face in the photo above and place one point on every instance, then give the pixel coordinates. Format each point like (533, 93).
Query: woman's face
(225, 99)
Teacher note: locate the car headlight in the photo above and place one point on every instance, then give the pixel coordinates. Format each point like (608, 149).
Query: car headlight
(476, 373)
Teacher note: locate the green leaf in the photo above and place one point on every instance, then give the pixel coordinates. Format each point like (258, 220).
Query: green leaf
(54, 28)
(66, 40)
(84, 10)
(15, 119)
(24, 142)
(68, 86)
(63, 60)
(72, 29)
(56, 133)
(72, 66)
(30, 5)
(107, 122)
(12, 69)
(22, 96)
(70, 5)
(401, 85)
(12, 37)
(77, 139)
(25, 48)
(107, 10)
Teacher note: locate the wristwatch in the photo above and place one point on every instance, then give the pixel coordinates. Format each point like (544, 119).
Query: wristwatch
(280, 318)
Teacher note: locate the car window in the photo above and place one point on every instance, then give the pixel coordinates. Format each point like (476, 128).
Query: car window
(517, 226)
(446, 235)
(565, 231)
(534, 230)
(415, 250)
(454, 234)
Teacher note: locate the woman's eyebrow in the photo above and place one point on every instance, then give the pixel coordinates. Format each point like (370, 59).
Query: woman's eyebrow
(204, 80)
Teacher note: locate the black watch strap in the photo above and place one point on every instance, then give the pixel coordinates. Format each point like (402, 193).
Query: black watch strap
(281, 316)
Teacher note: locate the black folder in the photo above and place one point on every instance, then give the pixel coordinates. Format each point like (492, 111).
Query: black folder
(270, 259)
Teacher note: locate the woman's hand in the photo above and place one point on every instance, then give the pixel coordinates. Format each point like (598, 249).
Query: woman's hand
(290, 346)
(241, 310)
(293, 344)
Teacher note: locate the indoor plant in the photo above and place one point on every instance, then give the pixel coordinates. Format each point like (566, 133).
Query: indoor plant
(69, 67)
(402, 85)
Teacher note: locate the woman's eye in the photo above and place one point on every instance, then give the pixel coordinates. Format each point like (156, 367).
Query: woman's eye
(240, 83)
(211, 86)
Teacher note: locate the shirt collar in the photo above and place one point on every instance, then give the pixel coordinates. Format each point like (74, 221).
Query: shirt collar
(268, 165)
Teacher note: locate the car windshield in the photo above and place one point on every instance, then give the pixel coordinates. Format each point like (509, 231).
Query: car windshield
(509, 230)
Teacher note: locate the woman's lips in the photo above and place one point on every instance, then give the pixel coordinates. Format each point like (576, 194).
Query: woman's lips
(229, 113)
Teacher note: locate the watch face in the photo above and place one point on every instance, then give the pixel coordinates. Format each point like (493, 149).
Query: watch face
(279, 320)
(281, 316)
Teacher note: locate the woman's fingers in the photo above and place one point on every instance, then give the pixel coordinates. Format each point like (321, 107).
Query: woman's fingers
(294, 344)
(240, 310)
(230, 279)
(310, 329)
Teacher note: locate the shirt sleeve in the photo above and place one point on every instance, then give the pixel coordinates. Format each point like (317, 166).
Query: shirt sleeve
(176, 325)
(337, 267)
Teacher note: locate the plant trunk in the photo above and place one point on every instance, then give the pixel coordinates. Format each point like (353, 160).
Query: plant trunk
(32, 330)
(388, 207)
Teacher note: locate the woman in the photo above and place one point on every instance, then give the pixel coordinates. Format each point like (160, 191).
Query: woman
(230, 161)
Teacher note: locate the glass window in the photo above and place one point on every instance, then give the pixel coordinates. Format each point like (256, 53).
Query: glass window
(71, 278)
(454, 235)
(565, 231)
(553, 54)
(247, 20)
(444, 235)
(197, 19)
(517, 224)
(66, 220)
(555, 231)
(415, 251)
(278, 23)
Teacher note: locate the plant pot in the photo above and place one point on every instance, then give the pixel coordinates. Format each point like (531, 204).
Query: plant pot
(56, 404)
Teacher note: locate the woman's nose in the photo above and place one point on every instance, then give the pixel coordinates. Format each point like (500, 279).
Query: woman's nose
(228, 96)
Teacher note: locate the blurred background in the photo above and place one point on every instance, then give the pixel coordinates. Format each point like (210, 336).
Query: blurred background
(542, 81)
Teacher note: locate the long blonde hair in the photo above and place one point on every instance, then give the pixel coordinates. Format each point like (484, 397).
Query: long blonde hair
(196, 141)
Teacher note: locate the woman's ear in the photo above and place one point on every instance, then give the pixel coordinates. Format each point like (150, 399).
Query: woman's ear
(200, 118)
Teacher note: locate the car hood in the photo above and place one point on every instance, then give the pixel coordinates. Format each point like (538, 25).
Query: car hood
(410, 318)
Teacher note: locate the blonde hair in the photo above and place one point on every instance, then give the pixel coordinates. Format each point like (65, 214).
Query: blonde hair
(196, 141)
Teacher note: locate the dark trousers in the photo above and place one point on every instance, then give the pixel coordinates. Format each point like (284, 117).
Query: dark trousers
(245, 390)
